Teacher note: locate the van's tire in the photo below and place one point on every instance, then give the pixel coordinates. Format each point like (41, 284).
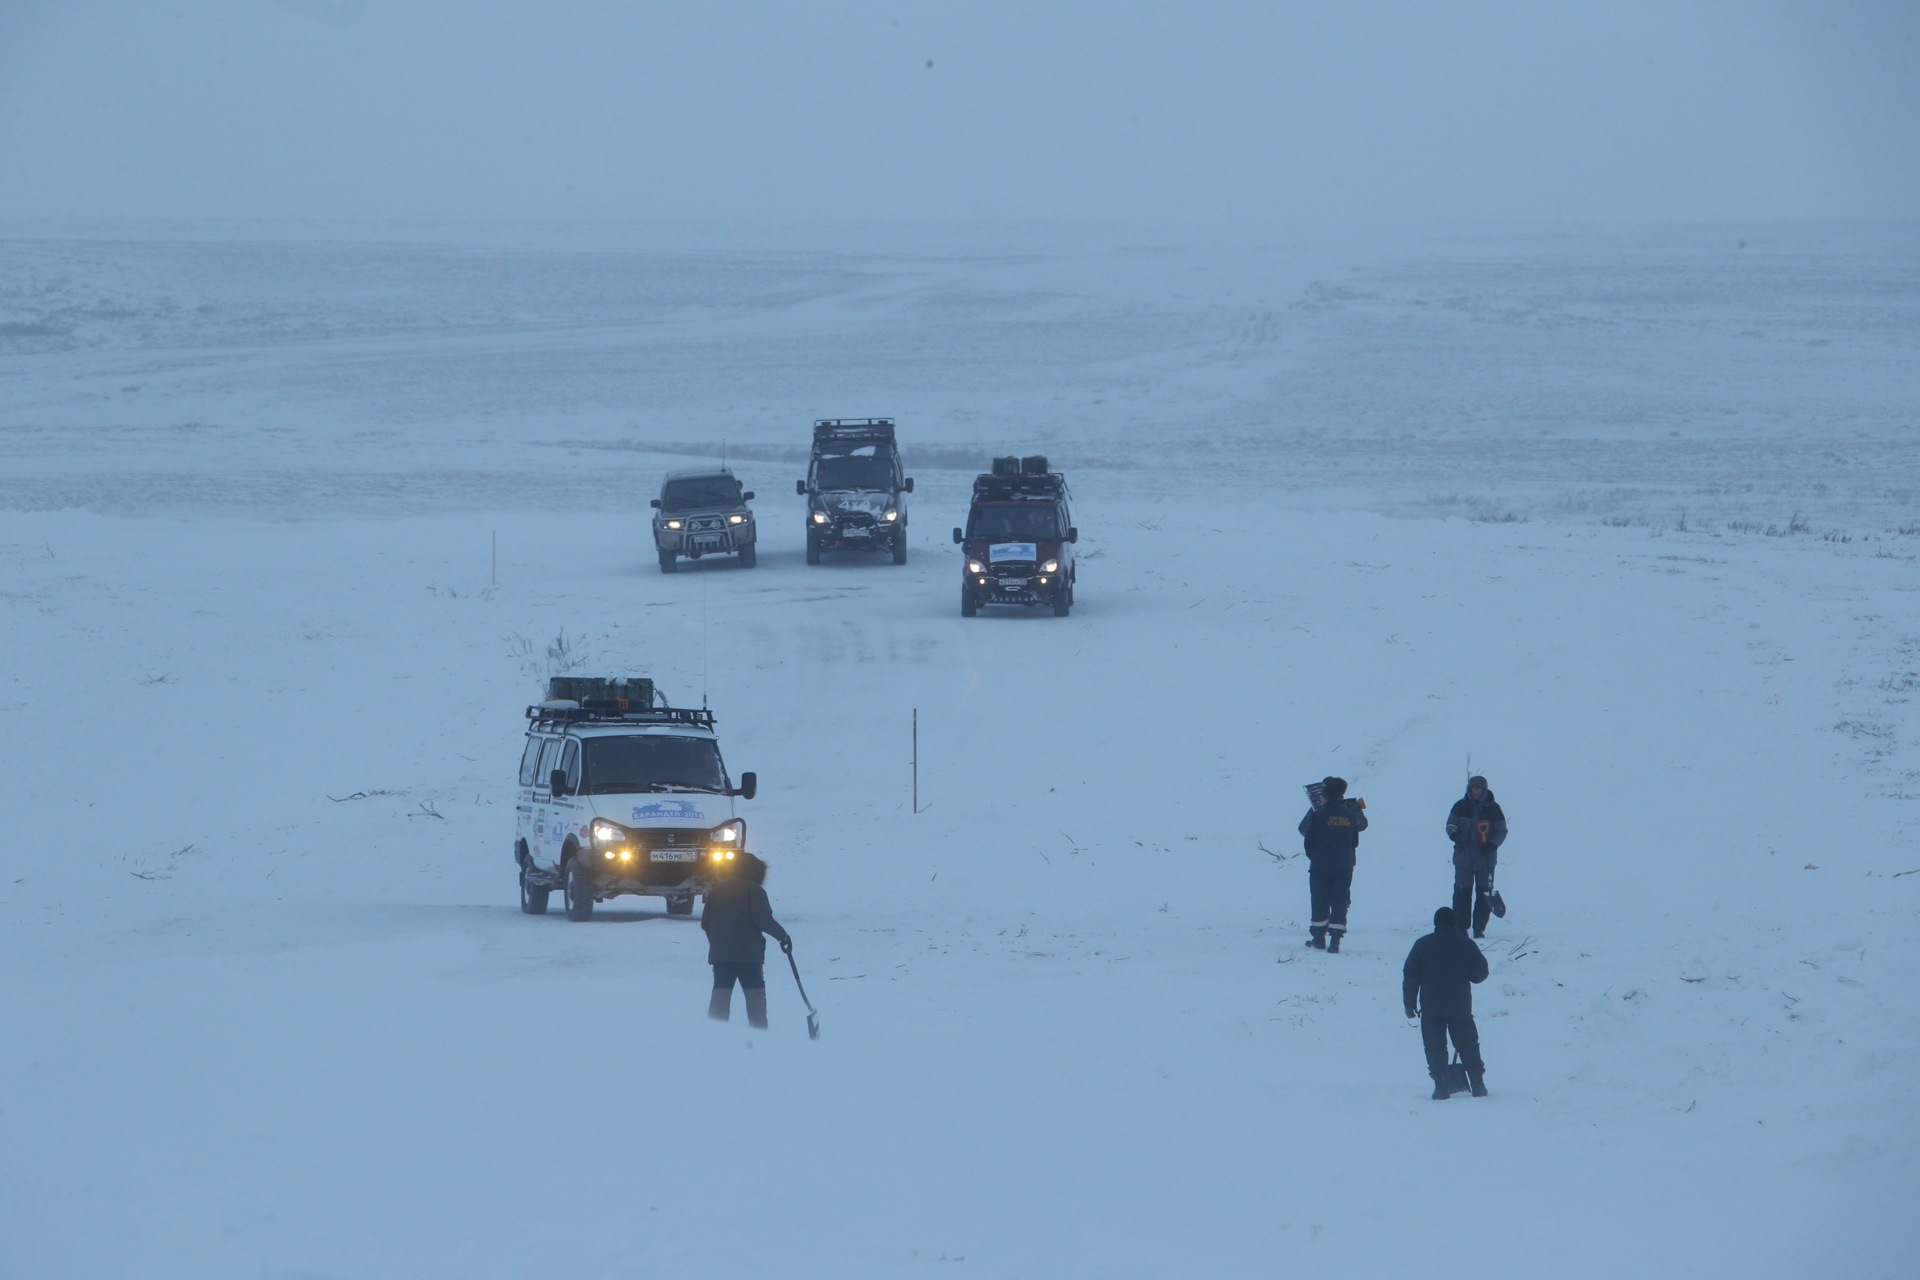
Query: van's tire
(667, 564)
(750, 555)
(1063, 600)
(967, 607)
(680, 906)
(900, 546)
(579, 893)
(813, 548)
(532, 901)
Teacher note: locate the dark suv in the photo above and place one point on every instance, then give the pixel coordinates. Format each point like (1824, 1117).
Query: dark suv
(1019, 538)
(702, 512)
(855, 492)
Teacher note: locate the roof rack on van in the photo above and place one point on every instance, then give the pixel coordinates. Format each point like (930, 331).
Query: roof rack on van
(609, 700)
(1020, 485)
(563, 712)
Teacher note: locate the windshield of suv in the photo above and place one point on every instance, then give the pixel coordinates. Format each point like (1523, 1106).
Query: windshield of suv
(854, 473)
(1014, 522)
(698, 492)
(653, 763)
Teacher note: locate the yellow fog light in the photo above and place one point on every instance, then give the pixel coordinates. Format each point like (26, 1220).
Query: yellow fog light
(608, 855)
(626, 855)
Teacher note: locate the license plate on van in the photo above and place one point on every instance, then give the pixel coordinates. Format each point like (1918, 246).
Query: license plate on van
(674, 855)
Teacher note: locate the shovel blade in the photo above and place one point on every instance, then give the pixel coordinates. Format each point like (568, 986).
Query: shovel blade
(813, 1027)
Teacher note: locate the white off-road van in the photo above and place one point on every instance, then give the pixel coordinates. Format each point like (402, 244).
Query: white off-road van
(620, 793)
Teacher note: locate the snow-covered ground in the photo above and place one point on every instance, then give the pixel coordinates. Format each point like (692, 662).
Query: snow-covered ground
(1629, 519)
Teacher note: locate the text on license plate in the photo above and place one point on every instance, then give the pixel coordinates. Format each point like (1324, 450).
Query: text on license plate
(674, 855)
(1013, 582)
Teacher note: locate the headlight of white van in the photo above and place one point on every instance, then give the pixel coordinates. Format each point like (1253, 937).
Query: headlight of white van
(1051, 566)
(607, 833)
(733, 832)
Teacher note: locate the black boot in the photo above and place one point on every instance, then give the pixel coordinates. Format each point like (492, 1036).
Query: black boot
(1333, 941)
(1477, 1081)
(1440, 1091)
(1318, 939)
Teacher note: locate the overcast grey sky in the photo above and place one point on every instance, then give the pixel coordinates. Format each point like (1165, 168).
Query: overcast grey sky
(983, 110)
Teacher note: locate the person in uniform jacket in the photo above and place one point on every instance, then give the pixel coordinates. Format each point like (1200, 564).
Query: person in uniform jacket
(1331, 831)
(1437, 986)
(737, 920)
(1477, 828)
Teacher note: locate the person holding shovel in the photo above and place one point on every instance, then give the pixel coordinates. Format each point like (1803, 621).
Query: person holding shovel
(737, 921)
(1436, 985)
(1477, 826)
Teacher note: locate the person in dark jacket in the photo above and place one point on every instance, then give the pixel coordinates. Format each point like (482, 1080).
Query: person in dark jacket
(737, 921)
(1331, 831)
(1477, 827)
(1437, 986)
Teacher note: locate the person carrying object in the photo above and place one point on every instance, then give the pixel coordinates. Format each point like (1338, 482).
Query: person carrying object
(737, 920)
(1331, 831)
(1477, 826)
(1436, 985)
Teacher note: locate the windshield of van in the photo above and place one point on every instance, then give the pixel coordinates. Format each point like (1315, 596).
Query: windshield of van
(854, 473)
(1014, 522)
(697, 493)
(655, 762)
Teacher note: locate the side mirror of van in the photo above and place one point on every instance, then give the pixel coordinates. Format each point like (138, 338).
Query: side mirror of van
(907, 485)
(1073, 535)
(957, 539)
(800, 487)
(655, 504)
(749, 783)
(747, 496)
(557, 782)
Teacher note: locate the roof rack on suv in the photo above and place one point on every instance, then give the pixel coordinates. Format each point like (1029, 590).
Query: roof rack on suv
(852, 431)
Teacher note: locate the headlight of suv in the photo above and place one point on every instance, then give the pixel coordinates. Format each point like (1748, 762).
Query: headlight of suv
(732, 832)
(819, 517)
(1051, 566)
(673, 524)
(892, 515)
(736, 519)
(607, 833)
(974, 566)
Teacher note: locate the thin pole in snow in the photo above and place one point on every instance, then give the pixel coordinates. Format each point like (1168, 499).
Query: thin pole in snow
(493, 564)
(916, 760)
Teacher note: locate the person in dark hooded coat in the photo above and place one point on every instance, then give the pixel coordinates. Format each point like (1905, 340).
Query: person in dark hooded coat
(1477, 826)
(737, 920)
(1331, 832)
(1437, 986)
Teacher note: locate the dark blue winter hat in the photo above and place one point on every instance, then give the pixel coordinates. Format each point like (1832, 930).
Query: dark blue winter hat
(1443, 918)
(1334, 788)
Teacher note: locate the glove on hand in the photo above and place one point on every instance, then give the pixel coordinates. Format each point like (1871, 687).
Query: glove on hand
(1411, 1013)
(787, 946)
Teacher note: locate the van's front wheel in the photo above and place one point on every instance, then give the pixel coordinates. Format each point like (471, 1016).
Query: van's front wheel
(533, 900)
(579, 893)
